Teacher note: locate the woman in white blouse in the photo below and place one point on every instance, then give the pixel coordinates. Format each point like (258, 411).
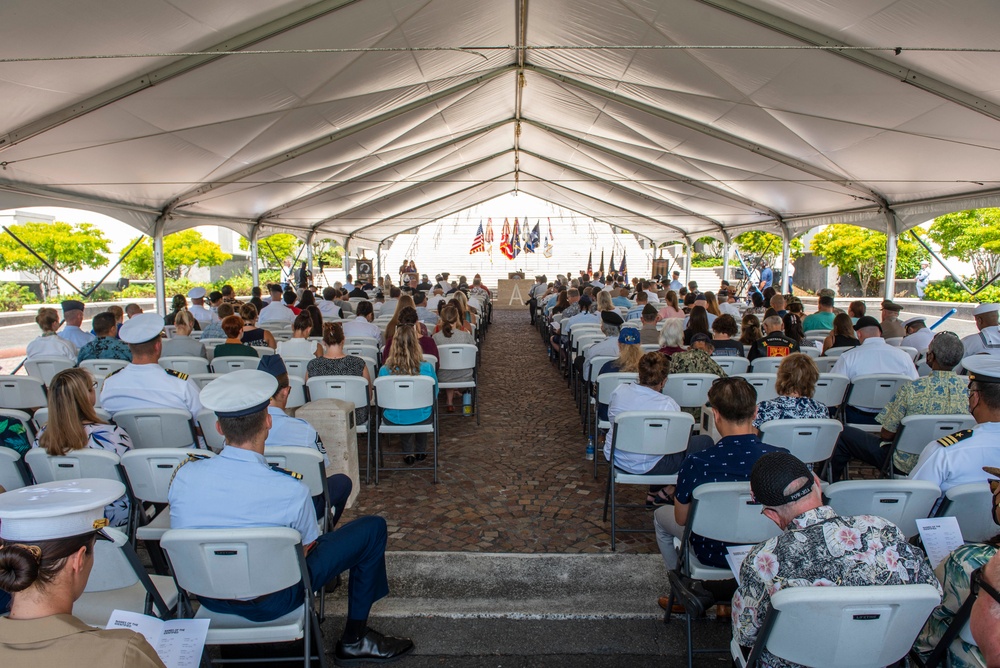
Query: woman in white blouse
(300, 345)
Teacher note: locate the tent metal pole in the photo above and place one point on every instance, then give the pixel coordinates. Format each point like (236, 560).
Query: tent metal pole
(725, 257)
(158, 265)
(255, 256)
(347, 257)
(687, 264)
(891, 239)
(309, 252)
(378, 262)
(786, 257)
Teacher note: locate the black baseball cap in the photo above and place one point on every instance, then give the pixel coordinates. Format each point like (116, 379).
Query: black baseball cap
(773, 472)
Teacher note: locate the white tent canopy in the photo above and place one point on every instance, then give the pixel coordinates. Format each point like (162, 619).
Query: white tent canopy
(387, 116)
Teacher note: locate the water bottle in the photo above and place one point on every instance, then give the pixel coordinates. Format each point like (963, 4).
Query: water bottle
(467, 404)
(590, 449)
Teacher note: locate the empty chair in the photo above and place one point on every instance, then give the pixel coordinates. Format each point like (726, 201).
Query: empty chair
(103, 368)
(296, 393)
(733, 364)
(243, 564)
(811, 440)
(19, 392)
(766, 364)
(185, 364)
(972, 505)
(158, 427)
(862, 627)
(764, 383)
(916, 431)
(902, 502)
(43, 368)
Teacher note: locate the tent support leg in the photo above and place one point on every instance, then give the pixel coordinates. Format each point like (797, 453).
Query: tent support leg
(255, 256)
(309, 252)
(725, 258)
(158, 264)
(786, 258)
(687, 263)
(891, 238)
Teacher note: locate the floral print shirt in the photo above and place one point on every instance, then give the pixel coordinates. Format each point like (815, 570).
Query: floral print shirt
(955, 574)
(789, 408)
(822, 549)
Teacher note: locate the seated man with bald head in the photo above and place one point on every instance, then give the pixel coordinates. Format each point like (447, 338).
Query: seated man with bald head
(774, 343)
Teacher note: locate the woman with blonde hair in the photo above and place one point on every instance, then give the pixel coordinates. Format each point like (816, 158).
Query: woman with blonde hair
(451, 333)
(74, 425)
(406, 359)
(629, 353)
(467, 313)
(604, 302)
(672, 309)
(50, 344)
(335, 362)
(796, 384)
(403, 302)
(300, 345)
(712, 304)
(181, 344)
(252, 334)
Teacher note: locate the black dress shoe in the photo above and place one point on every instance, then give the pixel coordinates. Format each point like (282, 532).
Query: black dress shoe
(372, 648)
(421, 457)
(408, 460)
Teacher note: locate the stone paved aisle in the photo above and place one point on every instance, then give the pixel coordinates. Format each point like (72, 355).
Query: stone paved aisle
(518, 482)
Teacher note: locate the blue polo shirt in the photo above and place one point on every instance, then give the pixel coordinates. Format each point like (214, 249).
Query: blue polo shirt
(729, 460)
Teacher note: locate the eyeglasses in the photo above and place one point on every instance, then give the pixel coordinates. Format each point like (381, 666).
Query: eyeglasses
(979, 583)
(94, 385)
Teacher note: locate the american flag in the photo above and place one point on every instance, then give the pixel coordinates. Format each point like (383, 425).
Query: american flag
(479, 243)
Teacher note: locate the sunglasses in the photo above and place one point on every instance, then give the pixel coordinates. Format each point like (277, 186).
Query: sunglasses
(979, 583)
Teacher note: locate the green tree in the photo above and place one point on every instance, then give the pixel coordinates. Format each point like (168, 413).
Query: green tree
(766, 245)
(860, 251)
(330, 252)
(284, 246)
(973, 236)
(66, 247)
(182, 252)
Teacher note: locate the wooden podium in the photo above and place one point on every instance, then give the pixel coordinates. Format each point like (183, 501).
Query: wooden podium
(512, 293)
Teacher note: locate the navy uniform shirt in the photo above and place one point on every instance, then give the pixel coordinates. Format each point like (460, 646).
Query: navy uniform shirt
(729, 460)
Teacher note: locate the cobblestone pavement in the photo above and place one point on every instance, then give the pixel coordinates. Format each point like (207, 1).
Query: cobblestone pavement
(517, 483)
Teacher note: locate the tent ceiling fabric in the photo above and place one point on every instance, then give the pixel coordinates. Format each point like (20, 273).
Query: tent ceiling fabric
(667, 143)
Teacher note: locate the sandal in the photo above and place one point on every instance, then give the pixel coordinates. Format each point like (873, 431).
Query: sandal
(659, 499)
(450, 408)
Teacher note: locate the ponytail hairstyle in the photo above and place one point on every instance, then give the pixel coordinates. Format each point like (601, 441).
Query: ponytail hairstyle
(333, 333)
(449, 321)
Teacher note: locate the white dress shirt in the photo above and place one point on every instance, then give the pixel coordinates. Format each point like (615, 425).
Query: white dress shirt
(361, 327)
(275, 312)
(51, 345)
(874, 355)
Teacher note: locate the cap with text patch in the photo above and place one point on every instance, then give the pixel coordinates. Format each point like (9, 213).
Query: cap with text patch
(141, 328)
(239, 393)
(982, 368)
(57, 509)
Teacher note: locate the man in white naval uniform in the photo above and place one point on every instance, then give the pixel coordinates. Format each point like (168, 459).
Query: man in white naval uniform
(987, 340)
(201, 313)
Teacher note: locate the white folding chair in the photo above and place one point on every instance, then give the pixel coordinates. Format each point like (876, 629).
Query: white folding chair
(650, 347)
(362, 340)
(763, 383)
(646, 433)
(188, 364)
(812, 351)
(606, 384)
(838, 351)
(916, 431)
(169, 331)
(405, 393)
(19, 392)
(972, 505)
(825, 364)
(234, 363)
(118, 581)
(85, 463)
(732, 364)
(902, 502)
(811, 440)
(213, 439)
(244, 564)
(158, 427)
(297, 365)
(203, 379)
(689, 390)
(722, 511)
(873, 391)
(911, 351)
(820, 333)
(894, 341)
(44, 368)
(831, 388)
(354, 389)
(296, 393)
(210, 347)
(461, 357)
(13, 473)
(862, 627)
(103, 368)
(766, 364)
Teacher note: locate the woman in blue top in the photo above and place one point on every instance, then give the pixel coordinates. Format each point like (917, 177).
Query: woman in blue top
(406, 359)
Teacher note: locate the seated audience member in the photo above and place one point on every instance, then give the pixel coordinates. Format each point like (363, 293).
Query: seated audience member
(234, 346)
(451, 333)
(276, 311)
(774, 343)
(697, 323)
(73, 425)
(856, 309)
(960, 458)
(182, 345)
(956, 574)
(635, 312)
(671, 307)
(672, 337)
(777, 302)
(106, 346)
(917, 334)
(132, 310)
(796, 384)
(750, 330)
(941, 393)
(214, 330)
(723, 330)
(49, 344)
(727, 303)
(756, 305)
(697, 358)
(362, 325)
(243, 491)
(629, 353)
(47, 538)
(987, 339)
(874, 355)
(425, 315)
(255, 298)
(792, 325)
(611, 325)
(734, 404)
(822, 318)
(841, 334)
(817, 547)
(288, 298)
(648, 333)
(621, 299)
(712, 306)
(296, 432)
(253, 335)
(985, 613)
(408, 316)
(119, 313)
(647, 395)
(406, 359)
(891, 327)
(327, 306)
(178, 304)
(334, 362)
(300, 345)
